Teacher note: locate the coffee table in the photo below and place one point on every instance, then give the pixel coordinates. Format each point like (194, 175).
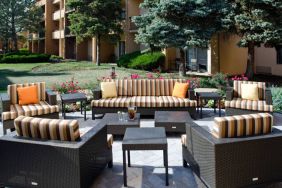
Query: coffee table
(172, 121)
(72, 98)
(144, 139)
(116, 127)
(208, 96)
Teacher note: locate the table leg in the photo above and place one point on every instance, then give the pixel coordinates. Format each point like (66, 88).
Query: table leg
(128, 158)
(63, 110)
(201, 106)
(219, 108)
(214, 107)
(85, 110)
(124, 168)
(166, 167)
(81, 107)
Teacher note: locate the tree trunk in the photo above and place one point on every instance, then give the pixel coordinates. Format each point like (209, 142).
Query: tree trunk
(98, 50)
(182, 70)
(14, 33)
(251, 60)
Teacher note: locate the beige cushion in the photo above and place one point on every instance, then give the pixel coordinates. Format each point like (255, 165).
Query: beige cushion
(250, 92)
(109, 90)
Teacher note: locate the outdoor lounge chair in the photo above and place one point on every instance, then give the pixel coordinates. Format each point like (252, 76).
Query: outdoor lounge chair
(47, 106)
(235, 105)
(246, 161)
(69, 160)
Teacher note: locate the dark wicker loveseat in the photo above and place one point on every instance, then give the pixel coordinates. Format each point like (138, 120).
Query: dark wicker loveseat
(47, 107)
(233, 162)
(149, 95)
(56, 164)
(235, 105)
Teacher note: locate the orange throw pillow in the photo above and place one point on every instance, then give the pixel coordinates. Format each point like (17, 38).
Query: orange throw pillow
(180, 90)
(28, 95)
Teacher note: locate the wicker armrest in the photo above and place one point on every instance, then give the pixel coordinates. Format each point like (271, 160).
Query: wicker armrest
(229, 94)
(97, 93)
(268, 96)
(191, 94)
(5, 102)
(51, 97)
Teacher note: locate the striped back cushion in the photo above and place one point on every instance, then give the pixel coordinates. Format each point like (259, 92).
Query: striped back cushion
(238, 92)
(48, 129)
(12, 91)
(154, 87)
(243, 125)
(124, 86)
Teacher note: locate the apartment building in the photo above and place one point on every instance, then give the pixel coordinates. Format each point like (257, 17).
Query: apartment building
(222, 56)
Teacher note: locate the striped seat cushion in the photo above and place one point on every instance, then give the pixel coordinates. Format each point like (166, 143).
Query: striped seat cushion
(184, 140)
(145, 101)
(112, 102)
(12, 91)
(169, 101)
(242, 125)
(29, 110)
(238, 92)
(249, 105)
(110, 140)
(48, 129)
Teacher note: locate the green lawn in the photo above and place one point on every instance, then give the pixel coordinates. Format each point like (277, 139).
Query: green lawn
(86, 73)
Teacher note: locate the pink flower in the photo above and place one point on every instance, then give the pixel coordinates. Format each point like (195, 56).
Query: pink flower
(150, 76)
(161, 78)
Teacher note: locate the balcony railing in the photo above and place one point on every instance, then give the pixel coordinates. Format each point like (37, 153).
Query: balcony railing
(58, 34)
(132, 26)
(68, 32)
(56, 1)
(40, 3)
(59, 14)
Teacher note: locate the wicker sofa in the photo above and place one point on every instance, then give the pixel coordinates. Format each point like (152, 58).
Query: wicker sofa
(47, 106)
(235, 105)
(232, 162)
(30, 162)
(149, 95)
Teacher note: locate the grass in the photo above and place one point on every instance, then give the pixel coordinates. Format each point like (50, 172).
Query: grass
(86, 73)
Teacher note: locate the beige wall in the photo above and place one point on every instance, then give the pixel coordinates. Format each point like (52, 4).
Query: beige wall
(266, 61)
(232, 58)
(170, 54)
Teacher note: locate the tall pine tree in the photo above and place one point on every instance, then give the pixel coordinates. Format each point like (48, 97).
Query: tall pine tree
(180, 23)
(95, 18)
(256, 22)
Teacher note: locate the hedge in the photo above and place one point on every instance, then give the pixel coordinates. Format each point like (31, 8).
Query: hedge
(125, 60)
(147, 61)
(24, 57)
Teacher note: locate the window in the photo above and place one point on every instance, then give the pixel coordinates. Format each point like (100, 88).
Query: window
(197, 59)
(121, 48)
(279, 54)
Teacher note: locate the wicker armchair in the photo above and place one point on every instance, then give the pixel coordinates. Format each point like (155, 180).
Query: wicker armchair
(235, 105)
(47, 107)
(233, 162)
(39, 163)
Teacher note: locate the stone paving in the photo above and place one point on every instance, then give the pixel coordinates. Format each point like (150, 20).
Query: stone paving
(147, 169)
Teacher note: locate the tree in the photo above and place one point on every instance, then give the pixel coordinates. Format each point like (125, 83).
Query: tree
(179, 23)
(14, 15)
(256, 22)
(95, 18)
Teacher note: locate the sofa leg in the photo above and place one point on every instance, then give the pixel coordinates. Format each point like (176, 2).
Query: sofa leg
(4, 131)
(185, 164)
(93, 114)
(110, 164)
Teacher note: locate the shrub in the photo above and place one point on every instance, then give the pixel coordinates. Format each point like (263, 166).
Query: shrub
(25, 58)
(125, 60)
(56, 59)
(219, 81)
(277, 98)
(148, 61)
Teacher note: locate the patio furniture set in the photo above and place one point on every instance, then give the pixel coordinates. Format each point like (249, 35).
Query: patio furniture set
(236, 151)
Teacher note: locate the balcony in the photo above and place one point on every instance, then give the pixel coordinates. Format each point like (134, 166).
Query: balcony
(59, 14)
(68, 32)
(58, 34)
(40, 3)
(132, 26)
(56, 1)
